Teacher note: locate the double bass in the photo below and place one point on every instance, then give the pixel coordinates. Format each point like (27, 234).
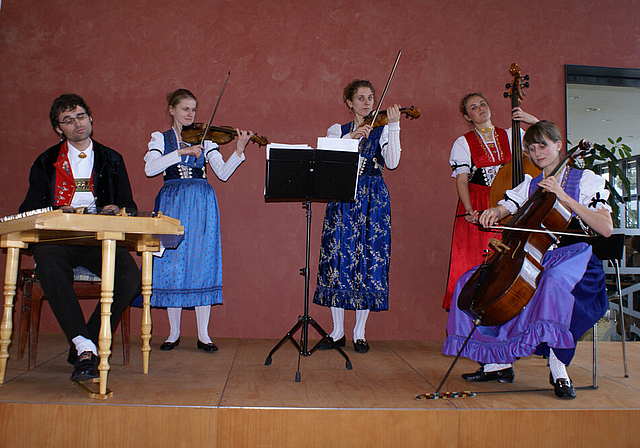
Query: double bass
(502, 286)
(512, 173)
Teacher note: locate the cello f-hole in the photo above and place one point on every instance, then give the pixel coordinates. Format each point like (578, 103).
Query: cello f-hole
(513, 254)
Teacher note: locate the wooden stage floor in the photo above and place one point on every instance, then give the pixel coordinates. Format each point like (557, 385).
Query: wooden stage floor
(231, 399)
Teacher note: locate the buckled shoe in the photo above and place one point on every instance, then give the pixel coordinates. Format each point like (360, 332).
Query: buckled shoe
(563, 387)
(502, 376)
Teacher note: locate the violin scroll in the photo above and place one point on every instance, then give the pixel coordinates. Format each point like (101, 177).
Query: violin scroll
(260, 140)
(411, 112)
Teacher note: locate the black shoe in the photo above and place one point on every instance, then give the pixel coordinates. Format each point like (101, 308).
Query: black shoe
(210, 347)
(166, 346)
(85, 367)
(502, 376)
(563, 387)
(361, 346)
(329, 343)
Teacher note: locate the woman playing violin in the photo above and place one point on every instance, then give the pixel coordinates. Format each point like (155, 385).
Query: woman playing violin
(570, 295)
(476, 158)
(353, 271)
(191, 275)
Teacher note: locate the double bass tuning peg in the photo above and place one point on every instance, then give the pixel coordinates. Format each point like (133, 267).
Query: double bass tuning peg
(507, 85)
(526, 85)
(526, 77)
(506, 94)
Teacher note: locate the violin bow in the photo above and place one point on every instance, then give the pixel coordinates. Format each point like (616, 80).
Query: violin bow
(215, 108)
(384, 92)
(549, 232)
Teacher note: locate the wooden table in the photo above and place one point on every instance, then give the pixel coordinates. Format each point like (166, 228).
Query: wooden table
(143, 234)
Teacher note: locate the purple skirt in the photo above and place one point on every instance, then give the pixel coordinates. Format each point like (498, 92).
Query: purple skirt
(570, 298)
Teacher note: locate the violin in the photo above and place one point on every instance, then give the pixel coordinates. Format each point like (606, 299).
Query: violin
(512, 173)
(505, 283)
(193, 134)
(381, 119)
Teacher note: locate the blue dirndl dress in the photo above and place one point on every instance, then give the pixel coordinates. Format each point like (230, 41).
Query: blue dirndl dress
(570, 298)
(191, 274)
(355, 251)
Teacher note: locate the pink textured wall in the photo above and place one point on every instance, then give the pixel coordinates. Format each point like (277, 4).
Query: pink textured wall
(289, 62)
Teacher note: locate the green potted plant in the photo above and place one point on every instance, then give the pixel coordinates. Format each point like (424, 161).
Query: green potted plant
(608, 159)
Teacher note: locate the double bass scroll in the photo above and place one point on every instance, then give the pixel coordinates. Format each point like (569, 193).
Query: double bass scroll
(512, 173)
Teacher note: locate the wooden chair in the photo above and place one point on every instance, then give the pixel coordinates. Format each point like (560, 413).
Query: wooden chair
(86, 286)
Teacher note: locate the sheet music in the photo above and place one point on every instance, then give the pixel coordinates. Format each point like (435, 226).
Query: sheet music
(286, 146)
(338, 144)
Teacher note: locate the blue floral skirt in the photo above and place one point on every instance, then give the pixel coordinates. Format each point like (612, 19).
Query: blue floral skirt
(355, 250)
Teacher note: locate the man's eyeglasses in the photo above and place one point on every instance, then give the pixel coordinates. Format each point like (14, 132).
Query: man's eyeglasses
(69, 121)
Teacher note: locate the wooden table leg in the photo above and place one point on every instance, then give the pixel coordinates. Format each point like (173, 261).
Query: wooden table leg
(147, 274)
(10, 277)
(106, 299)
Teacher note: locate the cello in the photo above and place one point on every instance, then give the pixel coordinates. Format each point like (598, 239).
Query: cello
(512, 173)
(502, 286)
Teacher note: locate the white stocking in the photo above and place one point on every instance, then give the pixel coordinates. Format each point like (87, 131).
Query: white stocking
(174, 324)
(558, 369)
(202, 319)
(361, 322)
(338, 323)
(493, 367)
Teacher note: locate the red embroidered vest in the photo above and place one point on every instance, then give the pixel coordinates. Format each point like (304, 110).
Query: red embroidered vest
(65, 186)
(493, 154)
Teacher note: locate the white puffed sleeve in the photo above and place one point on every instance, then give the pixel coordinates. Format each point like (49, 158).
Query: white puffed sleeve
(156, 160)
(593, 192)
(335, 131)
(460, 157)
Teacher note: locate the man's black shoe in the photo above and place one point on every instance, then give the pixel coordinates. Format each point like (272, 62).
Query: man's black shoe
(563, 387)
(85, 367)
(503, 376)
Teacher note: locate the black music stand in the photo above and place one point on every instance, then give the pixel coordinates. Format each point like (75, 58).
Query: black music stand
(309, 174)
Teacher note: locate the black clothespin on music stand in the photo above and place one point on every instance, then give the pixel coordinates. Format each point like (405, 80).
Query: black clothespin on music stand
(309, 175)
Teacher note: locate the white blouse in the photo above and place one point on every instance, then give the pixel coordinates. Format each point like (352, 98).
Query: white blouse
(157, 161)
(592, 192)
(389, 142)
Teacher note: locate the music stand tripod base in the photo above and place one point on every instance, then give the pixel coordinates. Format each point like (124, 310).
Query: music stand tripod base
(305, 320)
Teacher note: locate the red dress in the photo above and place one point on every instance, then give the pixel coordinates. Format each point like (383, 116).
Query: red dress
(469, 240)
